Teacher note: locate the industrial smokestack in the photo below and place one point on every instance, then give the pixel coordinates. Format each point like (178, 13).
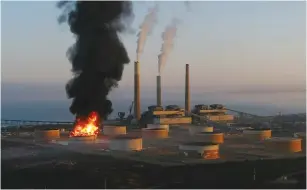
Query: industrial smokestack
(137, 102)
(159, 101)
(187, 89)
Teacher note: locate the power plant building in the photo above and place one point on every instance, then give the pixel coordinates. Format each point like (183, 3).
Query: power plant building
(214, 112)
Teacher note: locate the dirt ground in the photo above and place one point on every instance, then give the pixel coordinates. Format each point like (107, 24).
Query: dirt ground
(36, 167)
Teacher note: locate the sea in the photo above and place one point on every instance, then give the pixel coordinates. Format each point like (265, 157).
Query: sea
(58, 110)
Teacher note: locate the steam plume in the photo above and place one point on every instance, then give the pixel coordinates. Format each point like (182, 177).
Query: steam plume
(98, 55)
(187, 6)
(168, 37)
(145, 29)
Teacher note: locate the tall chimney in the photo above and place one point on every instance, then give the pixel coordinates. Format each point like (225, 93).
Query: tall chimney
(137, 102)
(159, 101)
(187, 89)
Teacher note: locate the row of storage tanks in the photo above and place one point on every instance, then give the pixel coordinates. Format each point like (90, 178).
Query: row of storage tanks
(274, 144)
(208, 148)
(118, 137)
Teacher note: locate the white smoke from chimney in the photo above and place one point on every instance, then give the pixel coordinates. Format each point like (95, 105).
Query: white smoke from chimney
(145, 29)
(187, 6)
(168, 37)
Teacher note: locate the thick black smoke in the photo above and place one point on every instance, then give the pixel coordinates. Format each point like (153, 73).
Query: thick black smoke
(98, 55)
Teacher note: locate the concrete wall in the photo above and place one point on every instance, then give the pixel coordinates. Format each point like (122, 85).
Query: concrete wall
(168, 113)
(178, 120)
(213, 111)
(221, 117)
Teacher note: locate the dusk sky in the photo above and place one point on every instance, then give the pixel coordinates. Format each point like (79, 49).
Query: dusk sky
(229, 45)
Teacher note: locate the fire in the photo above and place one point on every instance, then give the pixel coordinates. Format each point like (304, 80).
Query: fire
(86, 126)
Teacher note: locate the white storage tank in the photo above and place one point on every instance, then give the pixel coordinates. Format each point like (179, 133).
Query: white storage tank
(82, 139)
(284, 144)
(194, 129)
(257, 134)
(201, 150)
(154, 133)
(126, 143)
(158, 126)
(212, 137)
(47, 134)
(113, 130)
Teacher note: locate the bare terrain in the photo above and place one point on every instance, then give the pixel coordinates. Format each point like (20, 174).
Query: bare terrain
(30, 164)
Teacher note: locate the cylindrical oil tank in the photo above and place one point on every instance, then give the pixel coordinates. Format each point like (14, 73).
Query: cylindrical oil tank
(158, 126)
(48, 134)
(125, 143)
(212, 137)
(284, 144)
(25, 134)
(194, 129)
(64, 133)
(114, 130)
(201, 149)
(83, 139)
(184, 127)
(257, 134)
(302, 135)
(154, 133)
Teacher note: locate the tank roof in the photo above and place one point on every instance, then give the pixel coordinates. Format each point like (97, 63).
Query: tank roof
(213, 132)
(199, 144)
(258, 129)
(156, 129)
(115, 125)
(46, 129)
(126, 137)
(83, 136)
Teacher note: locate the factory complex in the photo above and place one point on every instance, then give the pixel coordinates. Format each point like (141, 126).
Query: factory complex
(171, 144)
(172, 135)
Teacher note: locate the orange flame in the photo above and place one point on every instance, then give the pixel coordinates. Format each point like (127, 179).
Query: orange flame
(86, 126)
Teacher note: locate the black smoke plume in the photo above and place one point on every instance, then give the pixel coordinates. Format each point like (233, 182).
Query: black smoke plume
(98, 55)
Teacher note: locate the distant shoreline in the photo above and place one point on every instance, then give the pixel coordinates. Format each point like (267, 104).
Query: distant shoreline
(112, 119)
(58, 110)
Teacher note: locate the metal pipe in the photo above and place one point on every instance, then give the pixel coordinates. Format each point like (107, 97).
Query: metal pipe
(187, 89)
(137, 102)
(159, 101)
